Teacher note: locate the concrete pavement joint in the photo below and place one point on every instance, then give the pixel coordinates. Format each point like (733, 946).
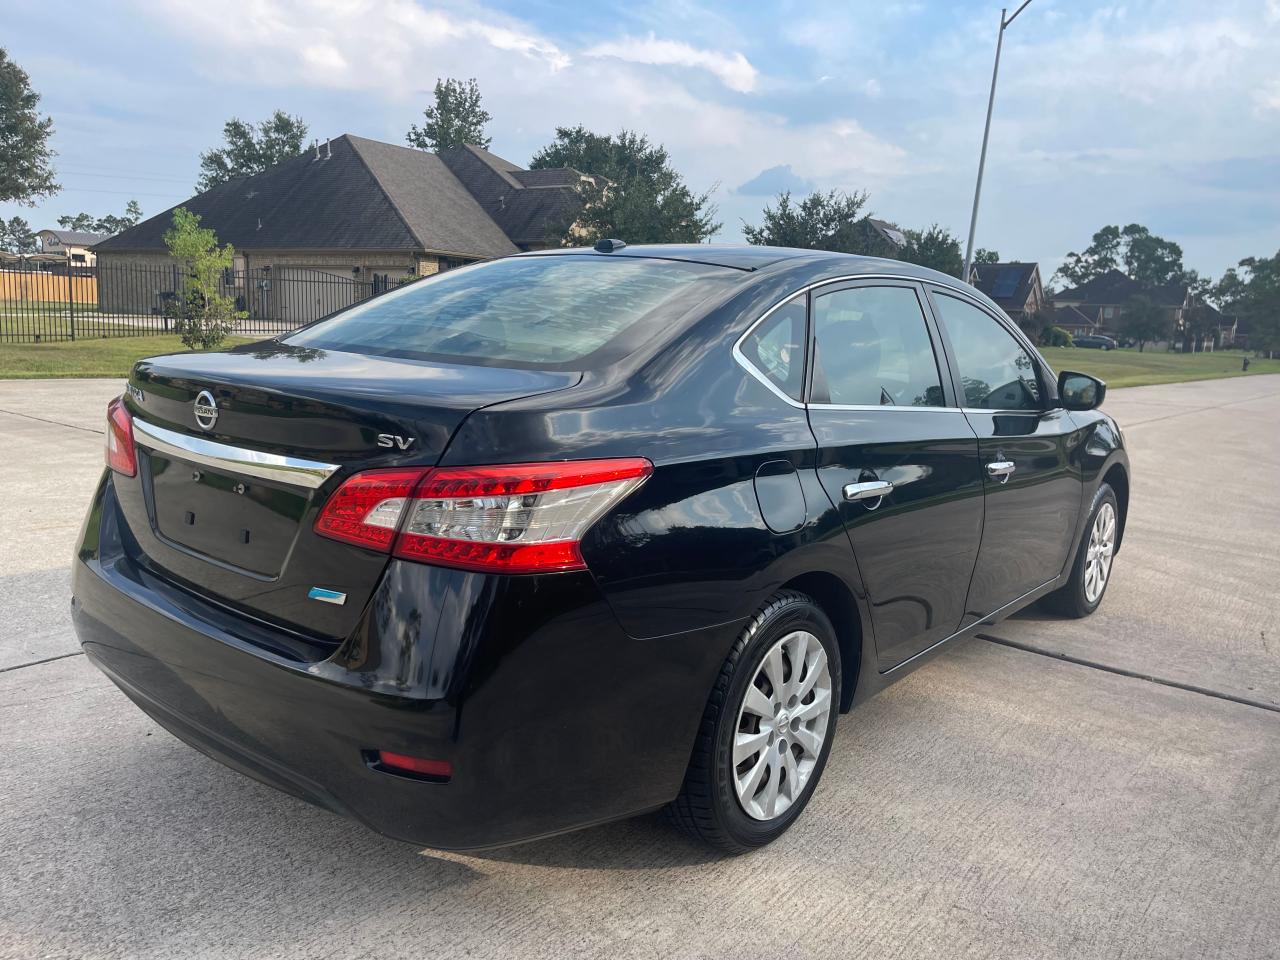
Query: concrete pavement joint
(1183, 413)
(1133, 674)
(36, 663)
(58, 423)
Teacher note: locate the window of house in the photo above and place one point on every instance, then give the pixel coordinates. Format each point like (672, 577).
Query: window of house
(776, 347)
(873, 349)
(995, 371)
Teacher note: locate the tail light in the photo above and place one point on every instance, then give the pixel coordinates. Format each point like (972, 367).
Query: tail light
(122, 455)
(524, 518)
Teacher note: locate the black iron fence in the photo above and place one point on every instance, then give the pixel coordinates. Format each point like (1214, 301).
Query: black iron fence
(39, 304)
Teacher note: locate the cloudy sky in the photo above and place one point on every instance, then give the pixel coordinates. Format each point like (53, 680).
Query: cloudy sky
(1164, 112)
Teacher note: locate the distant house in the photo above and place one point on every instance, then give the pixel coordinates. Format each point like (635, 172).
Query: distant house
(1015, 287)
(888, 232)
(1077, 321)
(350, 210)
(1107, 296)
(74, 245)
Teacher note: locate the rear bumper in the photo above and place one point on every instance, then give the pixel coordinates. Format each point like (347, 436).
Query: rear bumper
(552, 717)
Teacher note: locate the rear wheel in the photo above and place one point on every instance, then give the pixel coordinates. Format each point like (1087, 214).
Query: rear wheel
(766, 731)
(1083, 592)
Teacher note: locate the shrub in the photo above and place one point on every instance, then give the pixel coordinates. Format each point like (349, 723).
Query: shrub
(1059, 338)
(204, 316)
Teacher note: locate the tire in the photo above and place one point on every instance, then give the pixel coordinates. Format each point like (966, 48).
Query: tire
(709, 807)
(1079, 597)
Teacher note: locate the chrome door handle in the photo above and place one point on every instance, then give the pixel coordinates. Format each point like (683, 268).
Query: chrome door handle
(1001, 469)
(869, 490)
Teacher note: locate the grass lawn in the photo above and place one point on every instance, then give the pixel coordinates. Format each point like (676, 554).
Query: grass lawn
(113, 357)
(1129, 368)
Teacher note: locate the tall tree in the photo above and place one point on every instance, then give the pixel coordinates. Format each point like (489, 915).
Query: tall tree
(456, 118)
(109, 225)
(1151, 260)
(16, 236)
(634, 195)
(26, 159)
(1145, 321)
(937, 248)
(1254, 292)
(983, 255)
(251, 148)
(821, 221)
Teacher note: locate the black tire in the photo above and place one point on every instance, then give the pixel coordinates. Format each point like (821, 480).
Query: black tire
(1070, 600)
(707, 808)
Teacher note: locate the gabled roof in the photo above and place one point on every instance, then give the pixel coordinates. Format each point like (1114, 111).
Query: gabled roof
(1008, 284)
(1115, 288)
(889, 231)
(352, 194)
(528, 204)
(73, 238)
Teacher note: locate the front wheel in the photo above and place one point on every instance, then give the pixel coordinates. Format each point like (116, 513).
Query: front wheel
(1090, 574)
(766, 730)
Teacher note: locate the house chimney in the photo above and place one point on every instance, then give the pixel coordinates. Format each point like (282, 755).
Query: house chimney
(328, 150)
(316, 144)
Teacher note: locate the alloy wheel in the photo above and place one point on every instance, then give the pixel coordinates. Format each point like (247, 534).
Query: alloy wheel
(1102, 542)
(782, 726)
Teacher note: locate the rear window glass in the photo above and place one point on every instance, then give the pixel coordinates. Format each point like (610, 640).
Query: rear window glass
(533, 311)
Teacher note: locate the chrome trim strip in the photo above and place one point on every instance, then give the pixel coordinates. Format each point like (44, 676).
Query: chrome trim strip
(254, 463)
(881, 406)
(747, 365)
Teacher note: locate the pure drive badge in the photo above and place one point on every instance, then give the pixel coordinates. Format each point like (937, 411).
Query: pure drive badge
(206, 410)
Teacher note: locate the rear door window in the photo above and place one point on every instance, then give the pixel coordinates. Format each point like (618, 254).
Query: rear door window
(873, 349)
(526, 311)
(776, 347)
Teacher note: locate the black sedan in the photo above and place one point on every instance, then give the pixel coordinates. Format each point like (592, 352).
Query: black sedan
(575, 535)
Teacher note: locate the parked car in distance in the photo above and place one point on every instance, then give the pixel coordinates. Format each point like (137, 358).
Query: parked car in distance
(1095, 341)
(574, 535)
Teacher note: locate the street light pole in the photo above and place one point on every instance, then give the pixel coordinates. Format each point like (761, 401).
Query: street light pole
(986, 135)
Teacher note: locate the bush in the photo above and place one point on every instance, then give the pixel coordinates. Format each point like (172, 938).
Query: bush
(1059, 338)
(203, 317)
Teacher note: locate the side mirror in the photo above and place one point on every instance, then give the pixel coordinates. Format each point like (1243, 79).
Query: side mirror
(1079, 391)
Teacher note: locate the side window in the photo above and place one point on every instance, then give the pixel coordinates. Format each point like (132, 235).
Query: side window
(873, 349)
(995, 371)
(776, 347)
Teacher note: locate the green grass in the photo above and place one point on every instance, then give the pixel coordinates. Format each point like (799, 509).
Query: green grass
(1129, 368)
(112, 357)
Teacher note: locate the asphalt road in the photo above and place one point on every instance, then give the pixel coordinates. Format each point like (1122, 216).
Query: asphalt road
(1000, 802)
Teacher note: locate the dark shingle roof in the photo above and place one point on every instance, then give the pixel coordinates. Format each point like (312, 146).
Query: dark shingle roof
(1008, 284)
(1115, 288)
(362, 195)
(1075, 316)
(528, 204)
(74, 238)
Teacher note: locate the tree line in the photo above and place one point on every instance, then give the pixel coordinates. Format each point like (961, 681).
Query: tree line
(633, 192)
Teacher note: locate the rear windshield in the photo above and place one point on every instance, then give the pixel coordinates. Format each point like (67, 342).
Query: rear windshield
(528, 311)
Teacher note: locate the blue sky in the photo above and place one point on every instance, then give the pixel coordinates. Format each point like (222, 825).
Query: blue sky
(1165, 113)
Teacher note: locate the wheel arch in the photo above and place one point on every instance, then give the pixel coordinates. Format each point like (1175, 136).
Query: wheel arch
(1117, 477)
(841, 607)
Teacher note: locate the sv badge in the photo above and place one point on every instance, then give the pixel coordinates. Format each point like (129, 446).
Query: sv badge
(391, 440)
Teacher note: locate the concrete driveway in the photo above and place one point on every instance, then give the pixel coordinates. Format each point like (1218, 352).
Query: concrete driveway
(1001, 802)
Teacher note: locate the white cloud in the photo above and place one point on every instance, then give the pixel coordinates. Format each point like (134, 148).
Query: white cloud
(733, 69)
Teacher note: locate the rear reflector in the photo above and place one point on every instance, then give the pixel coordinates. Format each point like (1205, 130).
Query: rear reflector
(419, 766)
(521, 518)
(121, 454)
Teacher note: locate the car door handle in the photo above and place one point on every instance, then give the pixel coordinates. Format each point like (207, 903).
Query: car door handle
(1001, 469)
(867, 490)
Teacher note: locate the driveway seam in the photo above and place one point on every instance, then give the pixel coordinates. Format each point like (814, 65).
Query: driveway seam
(58, 423)
(36, 663)
(1133, 674)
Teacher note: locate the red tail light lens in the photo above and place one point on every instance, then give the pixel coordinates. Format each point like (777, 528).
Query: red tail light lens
(366, 509)
(523, 518)
(121, 454)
